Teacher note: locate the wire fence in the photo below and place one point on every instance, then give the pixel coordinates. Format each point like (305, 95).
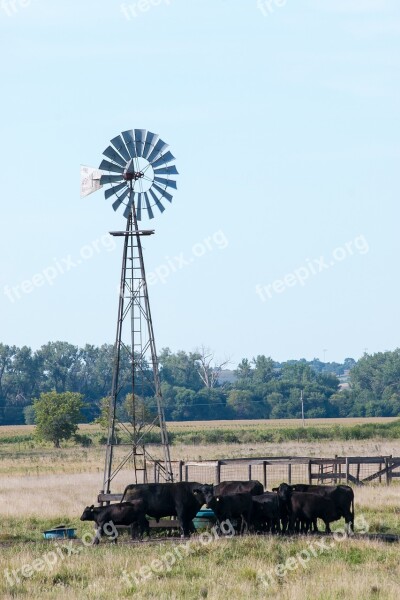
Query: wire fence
(271, 471)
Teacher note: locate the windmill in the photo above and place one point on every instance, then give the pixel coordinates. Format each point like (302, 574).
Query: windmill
(137, 170)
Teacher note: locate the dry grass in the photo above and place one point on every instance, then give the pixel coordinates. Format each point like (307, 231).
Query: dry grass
(351, 570)
(42, 486)
(36, 461)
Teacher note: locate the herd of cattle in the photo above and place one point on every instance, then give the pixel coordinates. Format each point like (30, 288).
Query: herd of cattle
(286, 509)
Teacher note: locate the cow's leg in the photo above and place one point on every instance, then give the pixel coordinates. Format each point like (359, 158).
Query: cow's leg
(144, 526)
(277, 525)
(327, 528)
(244, 527)
(284, 524)
(97, 536)
(349, 520)
(136, 530)
(292, 523)
(185, 527)
(297, 526)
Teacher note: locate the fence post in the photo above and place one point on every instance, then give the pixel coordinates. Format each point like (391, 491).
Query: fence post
(249, 468)
(265, 474)
(289, 473)
(218, 472)
(347, 470)
(180, 467)
(186, 473)
(309, 472)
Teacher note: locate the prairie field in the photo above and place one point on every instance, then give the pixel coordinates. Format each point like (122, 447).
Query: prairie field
(43, 487)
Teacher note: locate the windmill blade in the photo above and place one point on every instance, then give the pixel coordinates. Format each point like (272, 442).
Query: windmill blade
(166, 171)
(163, 192)
(105, 165)
(140, 135)
(151, 139)
(113, 155)
(120, 199)
(139, 208)
(148, 207)
(130, 142)
(118, 143)
(166, 182)
(129, 205)
(158, 149)
(157, 201)
(110, 179)
(114, 190)
(166, 158)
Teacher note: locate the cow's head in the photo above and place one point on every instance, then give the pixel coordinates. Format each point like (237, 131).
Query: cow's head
(204, 492)
(285, 491)
(88, 513)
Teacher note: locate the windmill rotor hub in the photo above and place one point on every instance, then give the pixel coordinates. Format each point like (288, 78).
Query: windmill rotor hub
(133, 176)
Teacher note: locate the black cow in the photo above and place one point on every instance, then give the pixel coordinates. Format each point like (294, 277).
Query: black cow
(168, 500)
(306, 508)
(225, 488)
(267, 511)
(342, 496)
(117, 514)
(229, 507)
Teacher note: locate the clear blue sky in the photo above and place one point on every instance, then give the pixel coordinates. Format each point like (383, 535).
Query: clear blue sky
(284, 118)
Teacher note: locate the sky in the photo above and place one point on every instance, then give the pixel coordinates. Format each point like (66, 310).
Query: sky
(283, 236)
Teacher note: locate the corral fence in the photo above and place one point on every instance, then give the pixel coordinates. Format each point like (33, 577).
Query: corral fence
(271, 471)
(357, 470)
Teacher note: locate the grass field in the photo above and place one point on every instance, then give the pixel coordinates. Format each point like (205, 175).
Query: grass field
(43, 487)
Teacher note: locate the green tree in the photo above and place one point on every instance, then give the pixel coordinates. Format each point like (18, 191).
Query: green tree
(61, 365)
(263, 369)
(377, 376)
(57, 416)
(247, 405)
(180, 369)
(244, 372)
(139, 410)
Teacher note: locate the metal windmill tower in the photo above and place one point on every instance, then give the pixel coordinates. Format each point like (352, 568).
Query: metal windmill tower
(137, 169)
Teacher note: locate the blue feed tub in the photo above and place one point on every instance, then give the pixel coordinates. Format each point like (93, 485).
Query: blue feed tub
(60, 533)
(204, 518)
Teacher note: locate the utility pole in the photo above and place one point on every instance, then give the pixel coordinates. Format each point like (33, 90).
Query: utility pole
(302, 408)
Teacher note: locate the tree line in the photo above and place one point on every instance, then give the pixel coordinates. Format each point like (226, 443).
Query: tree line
(193, 387)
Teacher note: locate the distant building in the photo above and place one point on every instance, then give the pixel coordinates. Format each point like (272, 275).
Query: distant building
(226, 376)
